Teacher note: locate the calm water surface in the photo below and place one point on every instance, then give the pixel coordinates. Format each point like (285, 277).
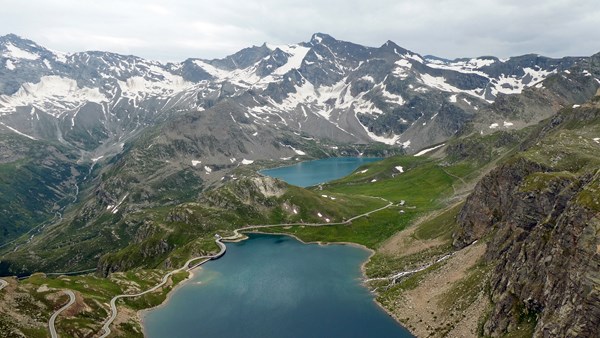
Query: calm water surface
(275, 286)
(305, 174)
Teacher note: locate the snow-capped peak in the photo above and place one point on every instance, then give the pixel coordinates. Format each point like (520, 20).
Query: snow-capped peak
(296, 54)
(54, 94)
(15, 53)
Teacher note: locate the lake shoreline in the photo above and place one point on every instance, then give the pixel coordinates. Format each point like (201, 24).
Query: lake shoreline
(356, 245)
(140, 314)
(294, 161)
(304, 181)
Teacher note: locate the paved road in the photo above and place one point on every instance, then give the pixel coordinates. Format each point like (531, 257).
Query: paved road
(113, 301)
(55, 314)
(3, 284)
(236, 235)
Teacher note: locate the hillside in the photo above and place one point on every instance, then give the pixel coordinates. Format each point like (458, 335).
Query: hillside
(138, 126)
(129, 167)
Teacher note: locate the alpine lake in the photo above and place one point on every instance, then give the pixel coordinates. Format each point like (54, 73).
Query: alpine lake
(276, 286)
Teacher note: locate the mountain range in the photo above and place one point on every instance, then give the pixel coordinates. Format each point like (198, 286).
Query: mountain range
(325, 88)
(102, 130)
(113, 163)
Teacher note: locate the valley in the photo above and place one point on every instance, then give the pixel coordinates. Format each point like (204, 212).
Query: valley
(124, 170)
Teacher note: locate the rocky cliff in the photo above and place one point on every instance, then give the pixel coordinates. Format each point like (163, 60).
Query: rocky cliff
(540, 213)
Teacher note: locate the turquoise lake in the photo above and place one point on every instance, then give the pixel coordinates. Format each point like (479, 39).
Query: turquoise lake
(275, 286)
(305, 174)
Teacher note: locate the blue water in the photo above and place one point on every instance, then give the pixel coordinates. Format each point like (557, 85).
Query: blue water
(305, 174)
(275, 286)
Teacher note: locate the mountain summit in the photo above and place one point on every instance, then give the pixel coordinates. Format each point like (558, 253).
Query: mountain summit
(261, 103)
(114, 163)
(325, 88)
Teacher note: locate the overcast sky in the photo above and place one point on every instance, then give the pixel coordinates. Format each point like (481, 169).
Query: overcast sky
(177, 29)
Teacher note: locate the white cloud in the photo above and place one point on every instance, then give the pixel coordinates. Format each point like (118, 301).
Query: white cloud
(181, 28)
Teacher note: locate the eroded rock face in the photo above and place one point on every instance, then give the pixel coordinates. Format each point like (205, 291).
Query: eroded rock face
(269, 187)
(544, 245)
(491, 201)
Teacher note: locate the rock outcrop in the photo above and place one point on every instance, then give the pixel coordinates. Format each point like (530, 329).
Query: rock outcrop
(542, 224)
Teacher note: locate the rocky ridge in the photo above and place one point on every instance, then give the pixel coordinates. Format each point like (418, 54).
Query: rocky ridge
(325, 88)
(540, 213)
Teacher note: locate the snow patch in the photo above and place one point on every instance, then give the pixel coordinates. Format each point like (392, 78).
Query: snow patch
(439, 82)
(514, 85)
(425, 151)
(18, 132)
(366, 106)
(387, 140)
(296, 55)
(195, 163)
(10, 65)
(137, 86)
(368, 78)
(299, 152)
(54, 94)
(115, 208)
(392, 98)
(245, 161)
(403, 63)
(399, 168)
(15, 52)
(402, 68)
(60, 56)
(576, 105)
(493, 126)
(471, 66)
(508, 124)
(414, 57)
(597, 139)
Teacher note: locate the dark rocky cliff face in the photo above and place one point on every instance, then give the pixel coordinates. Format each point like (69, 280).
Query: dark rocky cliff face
(543, 224)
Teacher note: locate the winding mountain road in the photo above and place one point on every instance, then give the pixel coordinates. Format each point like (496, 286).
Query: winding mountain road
(219, 240)
(51, 326)
(165, 279)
